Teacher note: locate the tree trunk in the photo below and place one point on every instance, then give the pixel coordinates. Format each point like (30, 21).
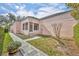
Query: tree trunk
(57, 29)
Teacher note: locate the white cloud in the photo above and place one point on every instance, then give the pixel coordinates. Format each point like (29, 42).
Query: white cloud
(20, 7)
(21, 11)
(45, 11)
(24, 12)
(10, 12)
(17, 7)
(42, 12)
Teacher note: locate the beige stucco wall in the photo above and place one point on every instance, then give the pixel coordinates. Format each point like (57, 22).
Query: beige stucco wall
(45, 25)
(67, 28)
(24, 31)
(16, 27)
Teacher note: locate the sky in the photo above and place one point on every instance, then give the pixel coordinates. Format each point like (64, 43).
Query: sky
(38, 10)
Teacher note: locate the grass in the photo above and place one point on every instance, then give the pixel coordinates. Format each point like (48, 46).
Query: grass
(76, 34)
(1, 39)
(6, 42)
(47, 45)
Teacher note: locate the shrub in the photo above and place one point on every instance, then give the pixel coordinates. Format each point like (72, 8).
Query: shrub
(17, 43)
(6, 30)
(76, 34)
(13, 46)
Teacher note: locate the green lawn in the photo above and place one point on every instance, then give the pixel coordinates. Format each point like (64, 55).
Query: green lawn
(76, 34)
(47, 45)
(6, 42)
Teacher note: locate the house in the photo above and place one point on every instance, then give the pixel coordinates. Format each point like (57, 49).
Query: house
(34, 26)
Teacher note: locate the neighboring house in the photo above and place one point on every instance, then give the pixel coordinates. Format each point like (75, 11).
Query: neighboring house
(34, 26)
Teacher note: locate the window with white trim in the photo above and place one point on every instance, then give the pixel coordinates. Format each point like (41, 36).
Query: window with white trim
(36, 26)
(26, 25)
(31, 27)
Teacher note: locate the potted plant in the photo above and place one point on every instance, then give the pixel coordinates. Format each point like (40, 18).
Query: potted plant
(14, 47)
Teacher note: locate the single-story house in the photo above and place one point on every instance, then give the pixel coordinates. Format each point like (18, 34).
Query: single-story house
(34, 26)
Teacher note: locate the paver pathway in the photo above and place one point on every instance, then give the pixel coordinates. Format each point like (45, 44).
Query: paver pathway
(27, 49)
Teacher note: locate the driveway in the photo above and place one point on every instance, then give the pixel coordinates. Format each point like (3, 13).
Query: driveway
(27, 49)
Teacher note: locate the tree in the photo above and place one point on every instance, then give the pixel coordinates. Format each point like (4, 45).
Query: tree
(7, 20)
(21, 17)
(75, 10)
(2, 19)
(73, 5)
(75, 14)
(57, 29)
(11, 17)
(10, 20)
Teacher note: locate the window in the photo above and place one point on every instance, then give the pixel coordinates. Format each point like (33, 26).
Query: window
(23, 26)
(26, 26)
(36, 26)
(31, 27)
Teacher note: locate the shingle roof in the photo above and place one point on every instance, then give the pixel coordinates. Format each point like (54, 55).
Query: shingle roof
(33, 17)
(54, 15)
(46, 16)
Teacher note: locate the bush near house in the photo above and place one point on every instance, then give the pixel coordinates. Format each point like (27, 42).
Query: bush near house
(14, 46)
(76, 34)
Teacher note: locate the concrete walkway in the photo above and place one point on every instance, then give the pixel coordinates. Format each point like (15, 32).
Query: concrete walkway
(27, 49)
(34, 38)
